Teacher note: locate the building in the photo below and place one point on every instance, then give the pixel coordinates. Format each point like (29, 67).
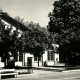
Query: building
(10, 22)
(49, 58)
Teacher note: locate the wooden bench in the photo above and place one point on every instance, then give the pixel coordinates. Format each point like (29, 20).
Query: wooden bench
(8, 72)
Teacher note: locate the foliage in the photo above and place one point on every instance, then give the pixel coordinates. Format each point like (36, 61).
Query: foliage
(34, 41)
(65, 22)
(17, 18)
(37, 39)
(8, 40)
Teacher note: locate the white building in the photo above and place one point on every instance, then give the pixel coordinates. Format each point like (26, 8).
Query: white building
(49, 58)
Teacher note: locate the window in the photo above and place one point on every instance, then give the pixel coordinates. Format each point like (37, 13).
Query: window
(2, 60)
(36, 58)
(50, 56)
(39, 58)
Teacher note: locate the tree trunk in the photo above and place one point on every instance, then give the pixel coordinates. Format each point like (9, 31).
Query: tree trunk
(38, 61)
(5, 62)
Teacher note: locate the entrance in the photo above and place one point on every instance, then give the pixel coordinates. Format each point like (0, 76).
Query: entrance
(29, 62)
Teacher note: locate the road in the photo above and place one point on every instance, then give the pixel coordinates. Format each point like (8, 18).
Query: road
(49, 75)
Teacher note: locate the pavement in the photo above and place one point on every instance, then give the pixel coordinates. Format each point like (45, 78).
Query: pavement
(38, 70)
(48, 73)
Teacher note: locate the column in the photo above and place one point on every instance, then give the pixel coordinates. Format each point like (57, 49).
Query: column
(23, 60)
(18, 56)
(0, 59)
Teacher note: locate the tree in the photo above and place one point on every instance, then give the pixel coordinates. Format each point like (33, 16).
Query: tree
(34, 41)
(65, 23)
(9, 41)
(17, 18)
(37, 40)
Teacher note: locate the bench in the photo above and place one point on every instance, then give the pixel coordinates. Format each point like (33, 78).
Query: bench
(8, 72)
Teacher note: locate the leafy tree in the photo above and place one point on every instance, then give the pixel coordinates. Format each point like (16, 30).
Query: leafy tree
(17, 18)
(9, 41)
(65, 24)
(36, 40)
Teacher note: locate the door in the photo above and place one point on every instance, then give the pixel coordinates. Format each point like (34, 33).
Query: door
(29, 62)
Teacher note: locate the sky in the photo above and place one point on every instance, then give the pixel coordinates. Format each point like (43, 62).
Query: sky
(31, 10)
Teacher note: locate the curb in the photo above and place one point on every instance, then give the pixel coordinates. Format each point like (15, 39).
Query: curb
(57, 70)
(51, 69)
(71, 70)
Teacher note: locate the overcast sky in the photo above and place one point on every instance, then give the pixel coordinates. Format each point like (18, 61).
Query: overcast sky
(31, 10)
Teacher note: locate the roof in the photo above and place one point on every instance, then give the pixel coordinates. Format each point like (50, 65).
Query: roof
(12, 21)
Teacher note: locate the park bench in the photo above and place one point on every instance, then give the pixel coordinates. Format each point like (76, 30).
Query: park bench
(8, 72)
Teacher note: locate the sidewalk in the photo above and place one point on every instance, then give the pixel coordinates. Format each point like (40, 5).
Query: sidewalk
(40, 70)
(60, 69)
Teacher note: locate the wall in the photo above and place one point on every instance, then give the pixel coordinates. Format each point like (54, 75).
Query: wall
(7, 25)
(26, 57)
(50, 63)
(56, 61)
(44, 58)
(1, 63)
(34, 63)
(18, 63)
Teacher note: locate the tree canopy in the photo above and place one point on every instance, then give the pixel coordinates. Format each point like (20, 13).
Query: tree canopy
(33, 41)
(37, 39)
(65, 23)
(8, 40)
